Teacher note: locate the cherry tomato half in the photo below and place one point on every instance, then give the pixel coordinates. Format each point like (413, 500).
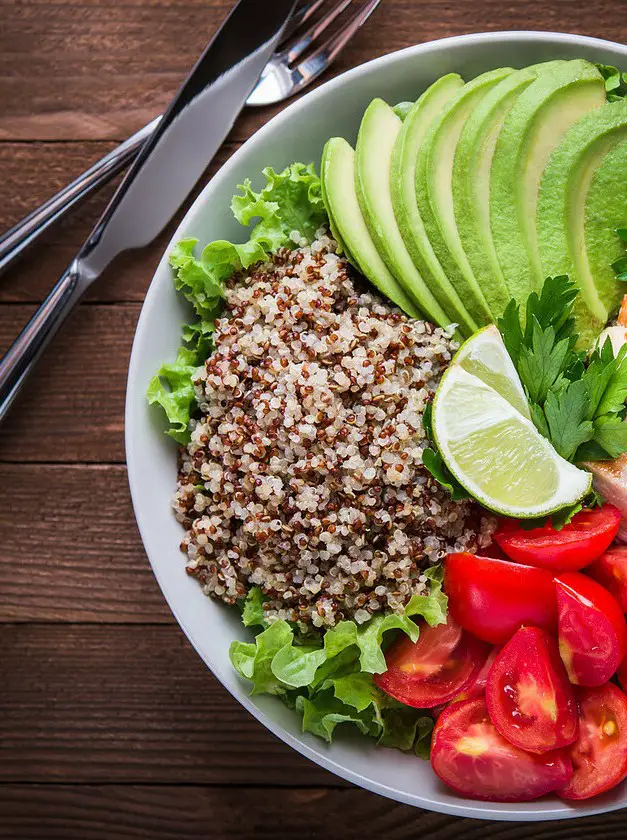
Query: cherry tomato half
(600, 753)
(610, 570)
(474, 689)
(493, 598)
(470, 756)
(592, 629)
(528, 695)
(434, 669)
(579, 543)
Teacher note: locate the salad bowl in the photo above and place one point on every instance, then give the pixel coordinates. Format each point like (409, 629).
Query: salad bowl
(299, 133)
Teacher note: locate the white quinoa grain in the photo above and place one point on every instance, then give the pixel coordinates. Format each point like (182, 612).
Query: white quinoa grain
(309, 447)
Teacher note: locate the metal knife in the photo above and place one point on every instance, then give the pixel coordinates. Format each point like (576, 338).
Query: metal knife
(171, 162)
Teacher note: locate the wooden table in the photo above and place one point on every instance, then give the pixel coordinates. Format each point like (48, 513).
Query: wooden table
(110, 724)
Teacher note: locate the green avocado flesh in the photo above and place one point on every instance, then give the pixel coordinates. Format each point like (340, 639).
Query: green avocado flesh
(403, 186)
(476, 192)
(583, 199)
(341, 198)
(341, 245)
(434, 176)
(373, 158)
(532, 129)
(471, 180)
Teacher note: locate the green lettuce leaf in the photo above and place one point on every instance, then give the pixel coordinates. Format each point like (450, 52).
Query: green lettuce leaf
(325, 712)
(290, 201)
(172, 389)
(252, 610)
(328, 677)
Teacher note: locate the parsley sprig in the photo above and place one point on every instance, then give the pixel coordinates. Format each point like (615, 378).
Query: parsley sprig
(578, 403)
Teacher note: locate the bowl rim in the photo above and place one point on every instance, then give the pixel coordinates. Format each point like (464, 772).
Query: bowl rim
(521, 812)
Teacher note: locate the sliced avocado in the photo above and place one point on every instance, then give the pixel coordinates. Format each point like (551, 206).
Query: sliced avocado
(373, 157)
(576, 223)
(532, 129)
(434, 175)
(606, 210)
(339, 180)
(341, 245)
(471, 181)
(403, 185)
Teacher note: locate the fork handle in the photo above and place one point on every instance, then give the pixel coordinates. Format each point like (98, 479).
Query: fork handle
(26, 232)
(29, 345)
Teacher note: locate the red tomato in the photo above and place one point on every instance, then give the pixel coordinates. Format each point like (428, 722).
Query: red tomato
(575, 546)
(475, 689)
(610, 570)
(470, 756)
(493, 598)
(433, 670)
(592, 629)
(528, 694)
(600, 754)
(477, 686)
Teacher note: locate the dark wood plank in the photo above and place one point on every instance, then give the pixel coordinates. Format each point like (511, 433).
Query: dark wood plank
(102, 704)
(88, 564)
(63, 812)
(72, 408)
(101, 69)
(31, 173)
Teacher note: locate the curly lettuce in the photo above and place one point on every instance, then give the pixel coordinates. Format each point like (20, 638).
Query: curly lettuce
(289, 204)
(328, 678)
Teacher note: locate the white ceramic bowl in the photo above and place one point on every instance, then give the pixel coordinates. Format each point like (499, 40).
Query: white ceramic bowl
(299, 133)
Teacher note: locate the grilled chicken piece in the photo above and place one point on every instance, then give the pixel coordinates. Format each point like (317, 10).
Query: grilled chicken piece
(610, 479)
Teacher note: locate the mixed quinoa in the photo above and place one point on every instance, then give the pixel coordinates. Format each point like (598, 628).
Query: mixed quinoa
(304, 472)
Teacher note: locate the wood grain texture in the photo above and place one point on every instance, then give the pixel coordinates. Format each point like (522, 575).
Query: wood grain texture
(87, 563)
(104, 703)
(72, 408)
(101, 69)
(31, 173)
(111, 728)
(65, 812)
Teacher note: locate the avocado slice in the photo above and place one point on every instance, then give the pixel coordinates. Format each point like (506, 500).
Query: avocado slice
(532, 129)
(373, 158)
(403, 186)
(341, 245)
(471, 180)
(434, 175)
(576, 222)
(606, 210)
(339, 181)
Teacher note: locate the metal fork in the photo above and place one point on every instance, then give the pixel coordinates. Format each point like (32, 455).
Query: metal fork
(281, 79)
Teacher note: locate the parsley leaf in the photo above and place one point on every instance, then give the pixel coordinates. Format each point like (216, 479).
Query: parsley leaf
(606, 380)
(541, 366)
(566, 411)
(575, 402)
(611, 434)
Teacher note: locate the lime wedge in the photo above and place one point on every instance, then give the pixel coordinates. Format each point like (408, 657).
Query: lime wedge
(485, 356)
(488, 442)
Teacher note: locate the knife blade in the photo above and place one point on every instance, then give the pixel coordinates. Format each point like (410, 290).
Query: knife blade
(191, 131)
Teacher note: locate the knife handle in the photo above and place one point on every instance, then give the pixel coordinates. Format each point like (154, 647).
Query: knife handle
(31, 342)
(25, 233)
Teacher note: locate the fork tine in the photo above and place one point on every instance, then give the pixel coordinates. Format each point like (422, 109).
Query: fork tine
(303, 12)
(326, 53)
(297, 46)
